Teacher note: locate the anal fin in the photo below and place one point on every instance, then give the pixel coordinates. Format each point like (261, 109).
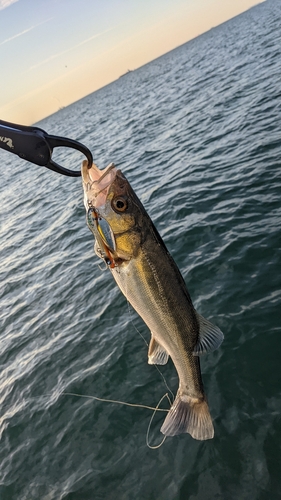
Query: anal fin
(157, 355)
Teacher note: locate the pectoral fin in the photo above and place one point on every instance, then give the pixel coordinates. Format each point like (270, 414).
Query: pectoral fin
(210, 336)
(157, 355)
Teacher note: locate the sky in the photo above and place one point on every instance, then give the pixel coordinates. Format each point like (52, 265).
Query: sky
(54, 52)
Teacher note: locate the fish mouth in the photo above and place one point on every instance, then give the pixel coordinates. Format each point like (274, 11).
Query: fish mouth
(96, 186)
(96, 183)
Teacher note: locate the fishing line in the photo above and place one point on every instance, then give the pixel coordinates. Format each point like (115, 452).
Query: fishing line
(131, 319)
(146, 343)
(136, 405)
(150, 422)
(103, 400)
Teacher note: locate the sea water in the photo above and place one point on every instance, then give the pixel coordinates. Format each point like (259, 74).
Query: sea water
(197, 133)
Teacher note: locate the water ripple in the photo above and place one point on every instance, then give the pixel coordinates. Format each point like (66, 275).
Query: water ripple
(197, 133)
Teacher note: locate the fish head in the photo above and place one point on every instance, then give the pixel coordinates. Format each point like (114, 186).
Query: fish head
(112, 210)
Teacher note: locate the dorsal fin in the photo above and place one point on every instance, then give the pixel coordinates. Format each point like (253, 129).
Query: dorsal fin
(157, 355)
(210, 336)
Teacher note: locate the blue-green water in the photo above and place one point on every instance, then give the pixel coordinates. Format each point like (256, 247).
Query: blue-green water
(198, 134)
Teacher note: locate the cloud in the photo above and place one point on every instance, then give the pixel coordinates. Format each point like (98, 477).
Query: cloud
(19, 100)
(6, 3)
(24, 31)
(16, 36)
(54, 56)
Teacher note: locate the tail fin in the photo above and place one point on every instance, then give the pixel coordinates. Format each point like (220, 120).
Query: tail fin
(189, 415)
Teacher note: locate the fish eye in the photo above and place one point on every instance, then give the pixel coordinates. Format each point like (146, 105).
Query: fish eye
(119, 204)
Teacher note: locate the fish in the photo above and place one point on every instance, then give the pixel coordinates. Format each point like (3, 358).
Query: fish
(144, 270)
